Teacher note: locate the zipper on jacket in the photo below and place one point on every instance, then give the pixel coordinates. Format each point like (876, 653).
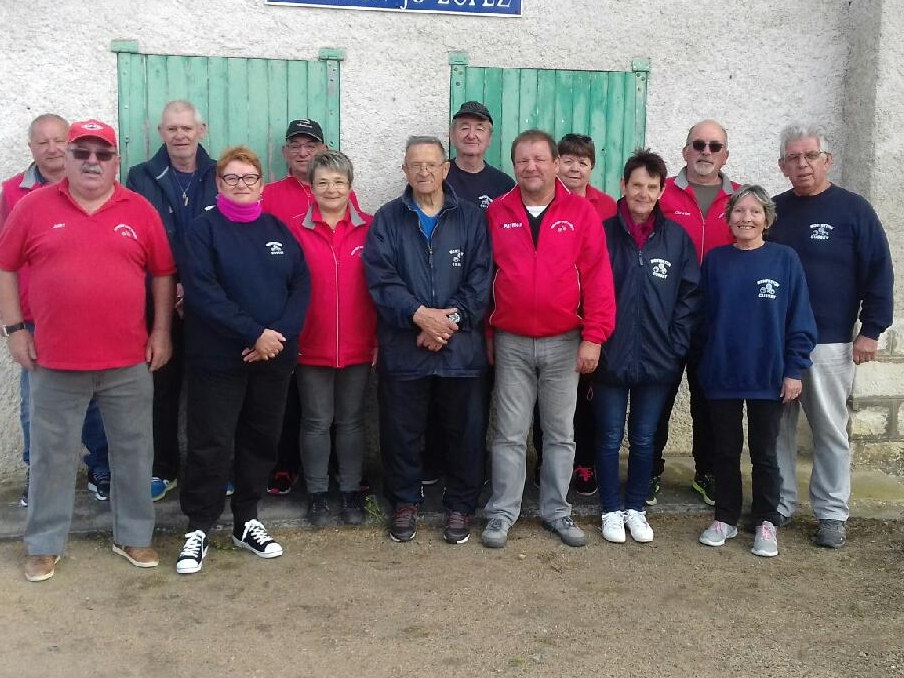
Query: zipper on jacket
(336, 275)
(432, 273)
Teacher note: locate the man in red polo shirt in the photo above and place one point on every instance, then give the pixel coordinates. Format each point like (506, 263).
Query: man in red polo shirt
(89, 244)
(47, 135)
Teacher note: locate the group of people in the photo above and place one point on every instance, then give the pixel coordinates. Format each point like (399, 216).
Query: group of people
(539, 293)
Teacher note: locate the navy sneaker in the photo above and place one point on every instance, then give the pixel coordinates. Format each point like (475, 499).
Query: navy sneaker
(23, 500)
(99, 483)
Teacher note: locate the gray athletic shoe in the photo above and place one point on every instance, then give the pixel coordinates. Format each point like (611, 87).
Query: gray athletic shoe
(568, 532)
(717, 533)
(495, 534)
(831, 534)
(765, 543)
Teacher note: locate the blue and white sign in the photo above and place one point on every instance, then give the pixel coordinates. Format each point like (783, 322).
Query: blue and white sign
(474, 7)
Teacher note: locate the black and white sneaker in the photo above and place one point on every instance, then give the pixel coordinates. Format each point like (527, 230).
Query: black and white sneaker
(99, 483)
(255, 539)
(192, 555)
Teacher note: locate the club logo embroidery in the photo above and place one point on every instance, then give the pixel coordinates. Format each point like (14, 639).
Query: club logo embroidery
(275, 247)
(561, 226)
(820, 231)
(661, 268)
(357, 251)
(768, 288)
(456, 257)
(124, 230)
(484, 201)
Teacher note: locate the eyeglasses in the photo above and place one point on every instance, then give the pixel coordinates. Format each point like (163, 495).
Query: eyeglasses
(714, 146)
(85, 153)
(430, 167)
(323, 184)
(809, 156)
(233, 179)
(299, 146)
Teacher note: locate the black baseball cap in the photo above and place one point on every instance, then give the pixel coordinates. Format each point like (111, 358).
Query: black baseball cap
(475, 109)
(305, 126)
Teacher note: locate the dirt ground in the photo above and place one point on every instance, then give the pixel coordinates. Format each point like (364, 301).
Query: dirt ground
(348, 602)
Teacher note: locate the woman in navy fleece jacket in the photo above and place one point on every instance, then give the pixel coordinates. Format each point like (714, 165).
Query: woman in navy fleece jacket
(760, 331)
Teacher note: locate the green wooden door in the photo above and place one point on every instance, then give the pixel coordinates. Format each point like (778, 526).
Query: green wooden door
(608, 106)
(243, 101)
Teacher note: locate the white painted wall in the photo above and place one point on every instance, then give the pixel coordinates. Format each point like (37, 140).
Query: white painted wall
(752, 65)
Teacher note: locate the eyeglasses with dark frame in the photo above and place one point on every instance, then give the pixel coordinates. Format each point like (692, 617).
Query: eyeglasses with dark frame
(714, 146)
(233, 179)
(102, 155)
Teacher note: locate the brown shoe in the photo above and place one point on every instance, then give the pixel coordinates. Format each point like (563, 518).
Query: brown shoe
(40, 568)
(139, 556)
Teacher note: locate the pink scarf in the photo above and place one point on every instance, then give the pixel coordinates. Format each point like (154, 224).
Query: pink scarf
(236, 212)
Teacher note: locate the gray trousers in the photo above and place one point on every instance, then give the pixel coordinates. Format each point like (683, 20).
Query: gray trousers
(826, 387)
(58, 402)
(330, 395)
(528, 369)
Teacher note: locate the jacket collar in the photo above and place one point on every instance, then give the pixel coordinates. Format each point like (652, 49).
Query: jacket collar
(354, 217)
(160, 164)
(682, 182)
(450, 199)
(32, 178)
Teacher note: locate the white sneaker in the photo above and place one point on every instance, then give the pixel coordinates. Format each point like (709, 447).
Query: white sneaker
(613, 527)
(638, 525)
(766, 542)
(717, 533)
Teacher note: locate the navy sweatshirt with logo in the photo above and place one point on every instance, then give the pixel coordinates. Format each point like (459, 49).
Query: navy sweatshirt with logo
(844, 252)
(657, 304)
(240, 279)
(758, 323)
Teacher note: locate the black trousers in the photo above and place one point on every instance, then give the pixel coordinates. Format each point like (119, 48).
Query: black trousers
(234, 421)
(404, 405)
(167, 394)
(703, 442)
(763, 417)
(289, 450)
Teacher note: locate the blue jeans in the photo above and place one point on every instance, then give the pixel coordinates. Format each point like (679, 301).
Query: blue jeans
(93, 436)
(610, 404)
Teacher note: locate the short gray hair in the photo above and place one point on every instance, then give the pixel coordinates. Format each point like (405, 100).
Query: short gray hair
(421, 140)
(180, 105)
(759, 194)
(337, 161)
(798, 130)
(45, 117)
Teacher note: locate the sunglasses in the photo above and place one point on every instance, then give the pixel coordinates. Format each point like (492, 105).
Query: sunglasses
(714, 146)
(84, 154)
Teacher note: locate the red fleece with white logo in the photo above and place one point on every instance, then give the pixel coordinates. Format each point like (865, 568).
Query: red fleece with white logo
(545, 291)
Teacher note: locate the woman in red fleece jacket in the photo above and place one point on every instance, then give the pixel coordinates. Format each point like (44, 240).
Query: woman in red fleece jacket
(338, 342)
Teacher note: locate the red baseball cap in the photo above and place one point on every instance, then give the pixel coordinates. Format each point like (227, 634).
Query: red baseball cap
(92, 128)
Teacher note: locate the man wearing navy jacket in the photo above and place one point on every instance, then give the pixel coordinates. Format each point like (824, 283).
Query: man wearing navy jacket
(180, 182)
(845, 255)
(428, 265)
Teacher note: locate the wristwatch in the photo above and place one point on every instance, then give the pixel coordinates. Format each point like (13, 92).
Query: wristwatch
(454, 317)
(10, 329)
